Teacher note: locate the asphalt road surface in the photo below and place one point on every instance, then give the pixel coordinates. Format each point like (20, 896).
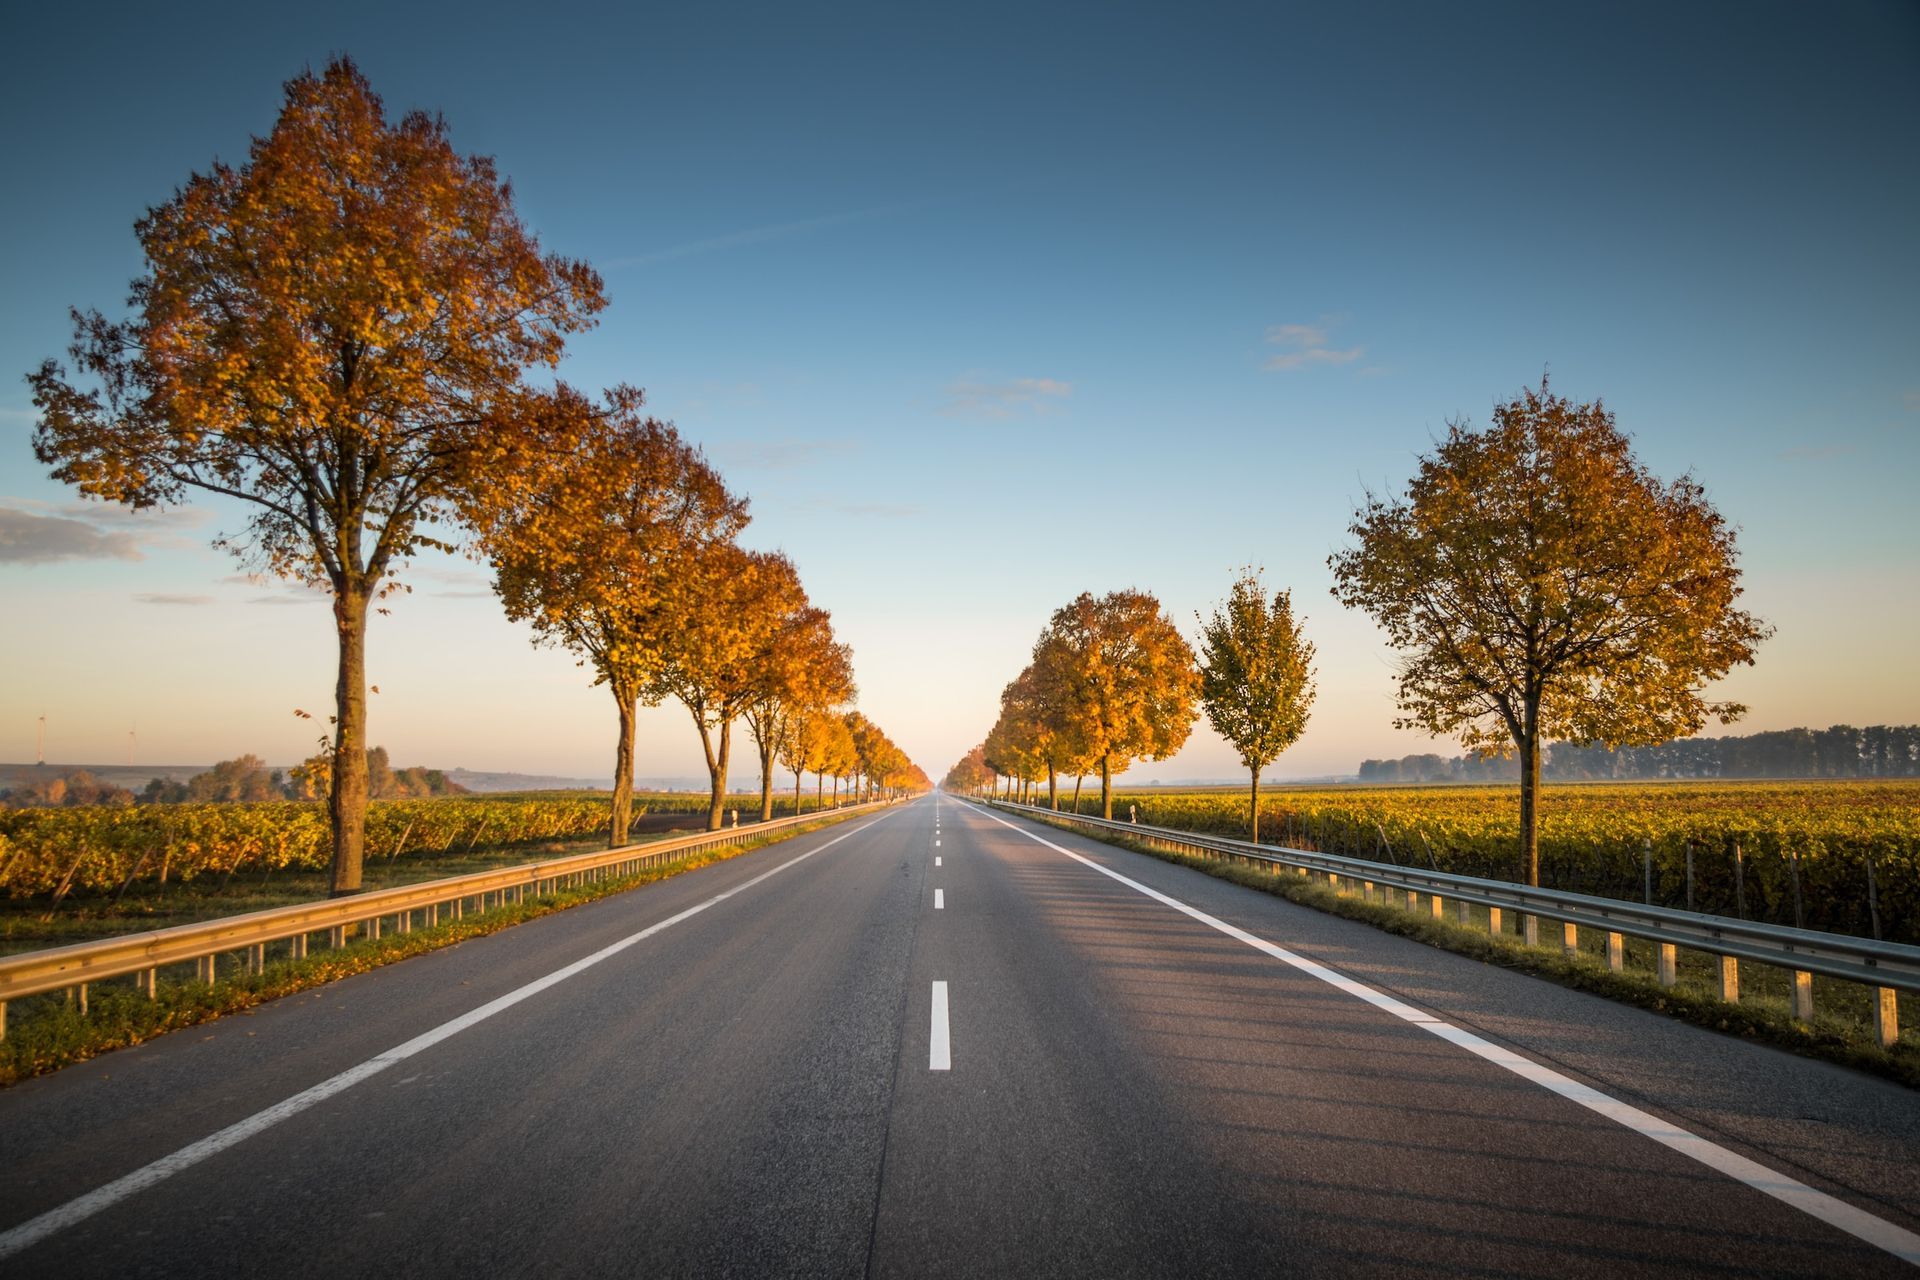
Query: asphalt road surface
(942, 1042)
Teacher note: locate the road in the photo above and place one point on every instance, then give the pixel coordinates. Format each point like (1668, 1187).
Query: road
(739, 1071)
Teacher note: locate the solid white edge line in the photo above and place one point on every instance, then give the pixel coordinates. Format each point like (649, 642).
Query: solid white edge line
(939, 1041)
(36, 1229)
(1897, 1240)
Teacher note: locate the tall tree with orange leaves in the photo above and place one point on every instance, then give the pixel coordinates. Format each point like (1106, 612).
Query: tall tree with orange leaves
(334, 332)
(595, 547)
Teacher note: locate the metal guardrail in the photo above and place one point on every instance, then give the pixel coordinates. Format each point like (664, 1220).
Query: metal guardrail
(1888, 967)
(143, 954)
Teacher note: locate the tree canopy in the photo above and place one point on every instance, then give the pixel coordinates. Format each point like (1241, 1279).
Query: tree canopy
(335, 333)
(1256, 678)
(1542, 584)
(596, 547)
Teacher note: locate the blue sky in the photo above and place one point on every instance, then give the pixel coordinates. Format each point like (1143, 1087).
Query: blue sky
(986, 306)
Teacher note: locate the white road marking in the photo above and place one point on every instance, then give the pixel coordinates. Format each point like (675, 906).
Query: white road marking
(936, 842)
(940, 1043)
(936, 859)
(939, 899)
(1898, 1241)
(34, 1230)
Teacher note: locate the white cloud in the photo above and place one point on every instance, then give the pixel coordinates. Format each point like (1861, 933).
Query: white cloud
(162, 597)
(1004, 399)
(1308, 346)
(27, 538)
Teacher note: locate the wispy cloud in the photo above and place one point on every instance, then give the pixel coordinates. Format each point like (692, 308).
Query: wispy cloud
(1004, 399)
(162, 597)
(1306, 345)
(29, 538)
(1814, 452)
(760, 235)
(285, 590)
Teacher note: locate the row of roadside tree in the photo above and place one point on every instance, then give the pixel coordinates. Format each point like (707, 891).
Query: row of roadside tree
(353, 333)
(1540, 585)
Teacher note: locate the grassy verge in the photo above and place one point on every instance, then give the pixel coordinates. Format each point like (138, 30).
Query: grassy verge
(1842, 1029)
(45, 1033)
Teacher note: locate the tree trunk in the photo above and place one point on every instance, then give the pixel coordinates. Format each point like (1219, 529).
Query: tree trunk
(1529, 747)
(1076, 794)
(1106, 787)
(625, 699)
(1053, 789)
(1253, 814)
(347, 804)
(718, 769)
(836, 791)
(766, 781)
(799, 776)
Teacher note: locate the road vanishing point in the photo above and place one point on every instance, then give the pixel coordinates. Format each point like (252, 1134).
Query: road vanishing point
(939, 1041)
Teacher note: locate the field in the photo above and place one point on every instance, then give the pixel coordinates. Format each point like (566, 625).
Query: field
(73, 854)
(1836, 855)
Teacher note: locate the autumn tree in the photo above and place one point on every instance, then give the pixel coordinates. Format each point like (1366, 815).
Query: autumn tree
(594, 546)
(1256, 679)
(803, 670)
(715, 645)
(1128, 679)
(335, 333)
(840, 757)
(1542, 584)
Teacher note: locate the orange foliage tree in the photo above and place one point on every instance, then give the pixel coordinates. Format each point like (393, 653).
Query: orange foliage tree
(594, 548)
(335, 333)
(1128, 680)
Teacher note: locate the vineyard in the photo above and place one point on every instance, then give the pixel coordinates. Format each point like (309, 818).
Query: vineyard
(97, 849)
(1840, 856)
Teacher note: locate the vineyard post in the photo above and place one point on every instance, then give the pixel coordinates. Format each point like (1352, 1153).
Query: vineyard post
(1739, 882)
(1793, 869)
(1873, 901)
(1689, 873)
(1646, 871)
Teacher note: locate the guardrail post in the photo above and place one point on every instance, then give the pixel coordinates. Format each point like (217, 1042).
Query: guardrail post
(297, 947)
(203, 969)
(1439, 907)
(1463, 911)
(3, 1019)
(1802, 995)
(1730, 979)
(257, 958)
(373, 928)
(1570, 938)
(148, 982)
(1366, 891)
(1667, 963)
(1530, 930)
(1886, 1016)
(1493, 920)
(433, 914)
(83, 999)
(337, 937)
(1616, 952)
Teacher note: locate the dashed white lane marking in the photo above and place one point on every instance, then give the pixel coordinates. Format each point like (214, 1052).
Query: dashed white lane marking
(34, 1230)
(936, 859)
(940, 1043)
(1898, 1241)
(939, 899)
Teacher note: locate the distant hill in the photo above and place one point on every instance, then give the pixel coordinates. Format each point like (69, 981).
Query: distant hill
(132, 777)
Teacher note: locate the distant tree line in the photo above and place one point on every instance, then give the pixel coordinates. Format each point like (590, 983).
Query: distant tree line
(1842, 751)
(245, 778)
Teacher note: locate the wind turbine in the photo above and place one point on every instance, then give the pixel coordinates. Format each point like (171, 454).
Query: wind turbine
(40, 741)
